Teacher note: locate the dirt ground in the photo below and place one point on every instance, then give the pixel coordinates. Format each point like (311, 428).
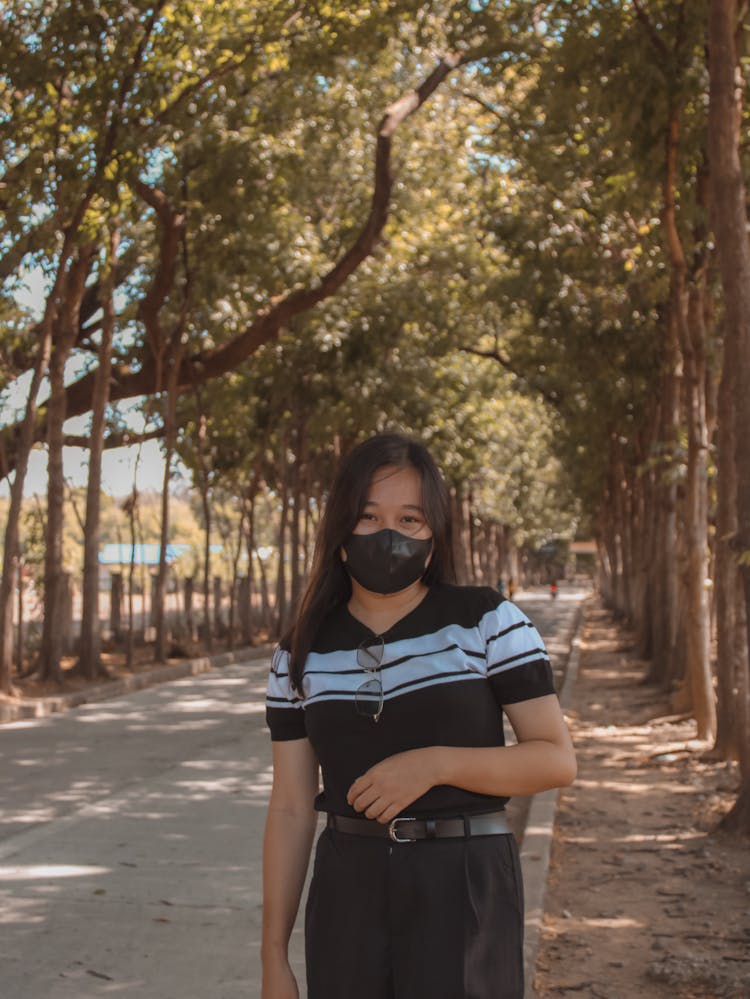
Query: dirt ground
(644, 899)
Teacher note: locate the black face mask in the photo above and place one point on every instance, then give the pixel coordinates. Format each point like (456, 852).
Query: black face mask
(386, 561)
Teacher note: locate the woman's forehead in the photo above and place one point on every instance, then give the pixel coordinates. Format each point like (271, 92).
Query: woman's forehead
(396, 484)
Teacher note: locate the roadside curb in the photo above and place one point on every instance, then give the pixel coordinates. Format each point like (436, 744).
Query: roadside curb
(538, 833)
(42, 707)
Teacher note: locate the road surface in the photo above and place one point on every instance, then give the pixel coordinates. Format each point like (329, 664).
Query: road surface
(130, 838)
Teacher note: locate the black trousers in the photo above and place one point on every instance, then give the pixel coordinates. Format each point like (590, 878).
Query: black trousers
(435, 919)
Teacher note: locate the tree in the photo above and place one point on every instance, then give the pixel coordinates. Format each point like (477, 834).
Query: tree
(90, 652)
(131, 91)
(730, 213)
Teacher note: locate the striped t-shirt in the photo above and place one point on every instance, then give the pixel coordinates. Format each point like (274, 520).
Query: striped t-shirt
(448, 668)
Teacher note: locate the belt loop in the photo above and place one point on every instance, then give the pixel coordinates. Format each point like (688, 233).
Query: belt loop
(430, 828)
(467, 827)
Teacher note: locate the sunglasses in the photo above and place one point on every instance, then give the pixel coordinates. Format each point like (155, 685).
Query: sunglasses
(368, 698)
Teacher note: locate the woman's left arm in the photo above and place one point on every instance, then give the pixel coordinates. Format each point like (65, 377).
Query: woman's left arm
(542, 759)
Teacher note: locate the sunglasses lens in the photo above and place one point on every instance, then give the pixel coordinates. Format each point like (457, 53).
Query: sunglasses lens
(369, 698)
(370, 656)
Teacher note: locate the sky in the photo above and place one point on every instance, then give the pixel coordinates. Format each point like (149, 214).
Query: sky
(118, 464)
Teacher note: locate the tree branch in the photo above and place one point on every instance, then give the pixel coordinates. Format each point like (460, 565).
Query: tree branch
(124, 438)
(552, 397)
(269, 323)
(648, 24)
(172, 229)
(199, 368)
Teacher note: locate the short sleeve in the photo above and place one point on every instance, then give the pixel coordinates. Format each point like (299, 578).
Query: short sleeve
(518, 665)
(284, 713)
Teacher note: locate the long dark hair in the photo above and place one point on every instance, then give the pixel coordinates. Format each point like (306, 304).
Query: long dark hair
(329, 583)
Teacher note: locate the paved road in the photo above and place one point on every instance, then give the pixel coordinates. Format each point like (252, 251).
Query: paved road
(130, 838)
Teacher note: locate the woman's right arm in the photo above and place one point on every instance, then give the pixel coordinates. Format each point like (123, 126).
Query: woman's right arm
(290, 827)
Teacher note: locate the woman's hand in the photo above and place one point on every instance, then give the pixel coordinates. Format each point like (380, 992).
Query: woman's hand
(394, 783)
(278, 980)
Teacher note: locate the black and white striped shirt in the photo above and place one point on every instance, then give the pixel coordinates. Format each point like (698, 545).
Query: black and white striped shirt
(448, 668)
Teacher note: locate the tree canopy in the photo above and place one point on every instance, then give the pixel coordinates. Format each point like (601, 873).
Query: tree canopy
(283, 226)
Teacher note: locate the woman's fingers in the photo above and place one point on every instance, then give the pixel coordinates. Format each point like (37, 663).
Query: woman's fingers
(376, 809)
(392, 784)
(361, 800)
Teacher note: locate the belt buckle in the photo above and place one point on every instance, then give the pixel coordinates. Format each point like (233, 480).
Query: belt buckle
(393, 833)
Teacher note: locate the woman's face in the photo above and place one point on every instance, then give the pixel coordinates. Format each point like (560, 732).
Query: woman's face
(394, 500)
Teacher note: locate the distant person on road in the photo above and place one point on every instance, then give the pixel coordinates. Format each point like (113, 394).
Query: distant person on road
(501, 587)
(511, 588)
(553, 589)
(392, 683)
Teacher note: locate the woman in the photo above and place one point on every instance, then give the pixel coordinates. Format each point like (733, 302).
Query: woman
(393, 682)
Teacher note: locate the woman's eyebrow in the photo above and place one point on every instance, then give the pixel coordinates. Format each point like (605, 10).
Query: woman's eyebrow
(404, 506)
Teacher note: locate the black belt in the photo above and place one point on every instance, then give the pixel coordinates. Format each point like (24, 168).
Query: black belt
(408, 830)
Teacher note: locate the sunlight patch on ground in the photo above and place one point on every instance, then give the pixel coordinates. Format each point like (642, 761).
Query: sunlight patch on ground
(225, 681)
(94, 717)
(26, 723)
(665, 838)
(21, 910)
(32, 815)
(613, 923)
(42, 872)
(250, 763)
(198, 704)
(225, 784)
(623, 786)
(181, 726)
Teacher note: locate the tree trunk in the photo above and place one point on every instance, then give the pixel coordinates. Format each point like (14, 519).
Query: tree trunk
(89, 661)
(130, 508)
(731, 645)
(66, 331)
(306, 538)
(11, 545)
(158, 590)
(51, 647)
(219, 629)
(188, 588)
(20, 640)
(65, 614)
(25, 442)
(115, 606)
(247, 629)
(475, 567)
(281, 595)
(666, 608)
(695, 526)
(730, 225)
(621, 585)
(298, 491)
(609, 563)
(294, 536)
(208, 625)
(460, 547)
(170, 436)
(233, 589)
(203, 483)
(645, 547)
(264, 595)
(244, 589)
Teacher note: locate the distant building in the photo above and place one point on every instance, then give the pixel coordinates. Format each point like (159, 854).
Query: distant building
(114, 554)
(582, 547)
